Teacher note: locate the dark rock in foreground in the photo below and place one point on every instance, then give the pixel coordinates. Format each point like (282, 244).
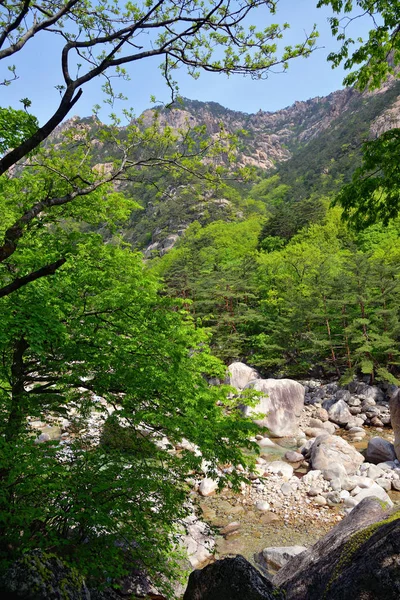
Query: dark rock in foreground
(230, 579)
(358, 559)
(41, 576)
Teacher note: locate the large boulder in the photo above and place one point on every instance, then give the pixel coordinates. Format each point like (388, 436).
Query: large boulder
(379, 451)
(230, 579)
(329, 450)
(395, 420)
(357, 559)
(41, 576)
(239, 375)
(282, 403)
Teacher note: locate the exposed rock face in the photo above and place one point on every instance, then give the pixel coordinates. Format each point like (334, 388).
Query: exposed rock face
(239, 375)
(357, 559)
(230, 579)
(281, 405)
(40, 576)
(395, 419)
(379, 450)
(328, 450)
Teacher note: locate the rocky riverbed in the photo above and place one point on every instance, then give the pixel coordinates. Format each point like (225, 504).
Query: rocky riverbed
(328, 447)
(341, 451)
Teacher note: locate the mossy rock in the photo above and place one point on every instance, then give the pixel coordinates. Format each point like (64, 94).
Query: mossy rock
(358, 559)
(41, 576)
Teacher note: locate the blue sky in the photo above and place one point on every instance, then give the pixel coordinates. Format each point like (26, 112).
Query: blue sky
(38, 69)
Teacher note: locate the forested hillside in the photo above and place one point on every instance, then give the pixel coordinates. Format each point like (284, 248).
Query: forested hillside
(264, 262)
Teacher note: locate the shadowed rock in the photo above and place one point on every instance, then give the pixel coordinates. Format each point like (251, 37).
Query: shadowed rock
(230, 579)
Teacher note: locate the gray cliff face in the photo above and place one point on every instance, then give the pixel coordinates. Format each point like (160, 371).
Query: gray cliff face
(271, 136)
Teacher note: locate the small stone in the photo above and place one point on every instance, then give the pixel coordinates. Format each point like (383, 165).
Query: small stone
(313, 491)
(230, 528)
(262, 505)
(286, 489)
(294, 457)
(320, 500)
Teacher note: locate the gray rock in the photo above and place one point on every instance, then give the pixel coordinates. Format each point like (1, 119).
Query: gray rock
(339, 413)
(329, 427)
(320, 500)
(385, 484)
(374, 472)
(357, 481)
(321, 414)
(329, 450)
(278, 556)
(375, 491)
(239, 375)
(230, 579)
(262, 505)
(314, 432)
(282, 404)
(354, 402)
(287, 489)
(335, 471)
(280, 468)
(328, 403)
(333, 498)
(388, 465)
(367, 404)
(293, 457)
(326, 570)
(343, 395)
(379, 450)
(313, 422)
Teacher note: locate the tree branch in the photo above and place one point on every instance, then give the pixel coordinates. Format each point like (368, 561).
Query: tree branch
(21, 281)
